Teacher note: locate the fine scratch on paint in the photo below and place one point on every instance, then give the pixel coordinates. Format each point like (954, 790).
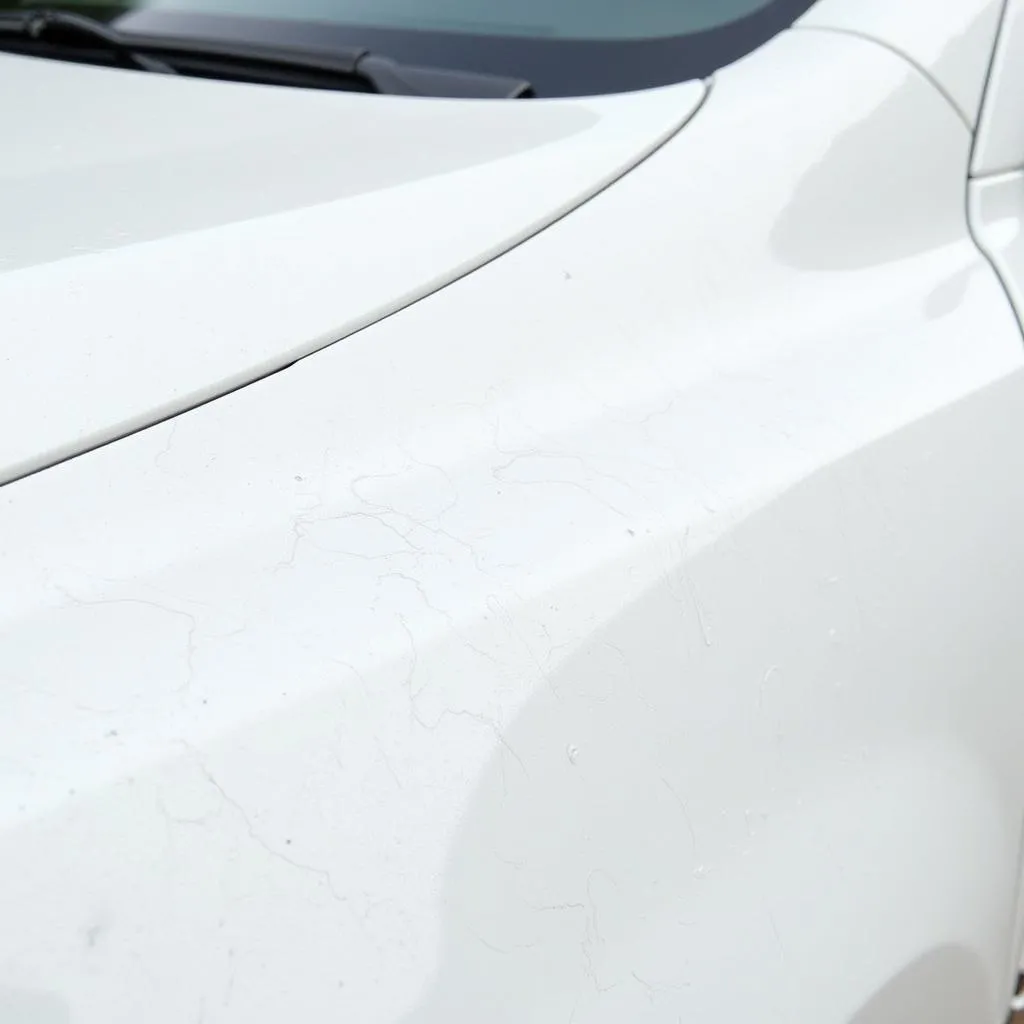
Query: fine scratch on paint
(765, 679)
(163, 453)
(387, 763)
(691, 590)
(686, 814)
(322, 874)
(190, 644)
(651, 993)
(417, 717)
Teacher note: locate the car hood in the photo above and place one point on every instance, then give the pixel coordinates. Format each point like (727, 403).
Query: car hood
(163, 240)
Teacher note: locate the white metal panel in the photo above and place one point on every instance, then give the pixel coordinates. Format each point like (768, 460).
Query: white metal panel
(165, 239)
(997, 212)
(628, 632)
(1000, 144)
(951, 40)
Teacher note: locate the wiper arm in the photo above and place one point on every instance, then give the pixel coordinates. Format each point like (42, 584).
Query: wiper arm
(62, 28)
(55, 33)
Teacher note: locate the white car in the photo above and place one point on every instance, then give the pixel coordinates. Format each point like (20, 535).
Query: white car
(511, 514)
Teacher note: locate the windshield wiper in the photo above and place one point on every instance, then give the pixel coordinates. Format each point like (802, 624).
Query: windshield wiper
(68, 36)
(59, 28)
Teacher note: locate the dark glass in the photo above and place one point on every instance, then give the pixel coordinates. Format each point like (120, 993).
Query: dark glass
(563, 47)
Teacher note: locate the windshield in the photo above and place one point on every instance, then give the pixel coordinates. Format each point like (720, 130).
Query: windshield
(562, 19)
(563, 47)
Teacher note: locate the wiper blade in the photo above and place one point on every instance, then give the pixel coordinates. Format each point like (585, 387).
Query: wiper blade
(62, 28)
(62, 34)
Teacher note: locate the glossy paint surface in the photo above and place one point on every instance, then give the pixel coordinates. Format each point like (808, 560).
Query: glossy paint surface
(1000, 142)
(949, 40)
(165, 240)
(996, 212)
(579, 643)
(997, 208)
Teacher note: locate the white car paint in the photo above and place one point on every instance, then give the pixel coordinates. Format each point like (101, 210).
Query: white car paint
(996, 210)
(626, 632)
(950, 40)
(201, 234)
(1000, 142)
